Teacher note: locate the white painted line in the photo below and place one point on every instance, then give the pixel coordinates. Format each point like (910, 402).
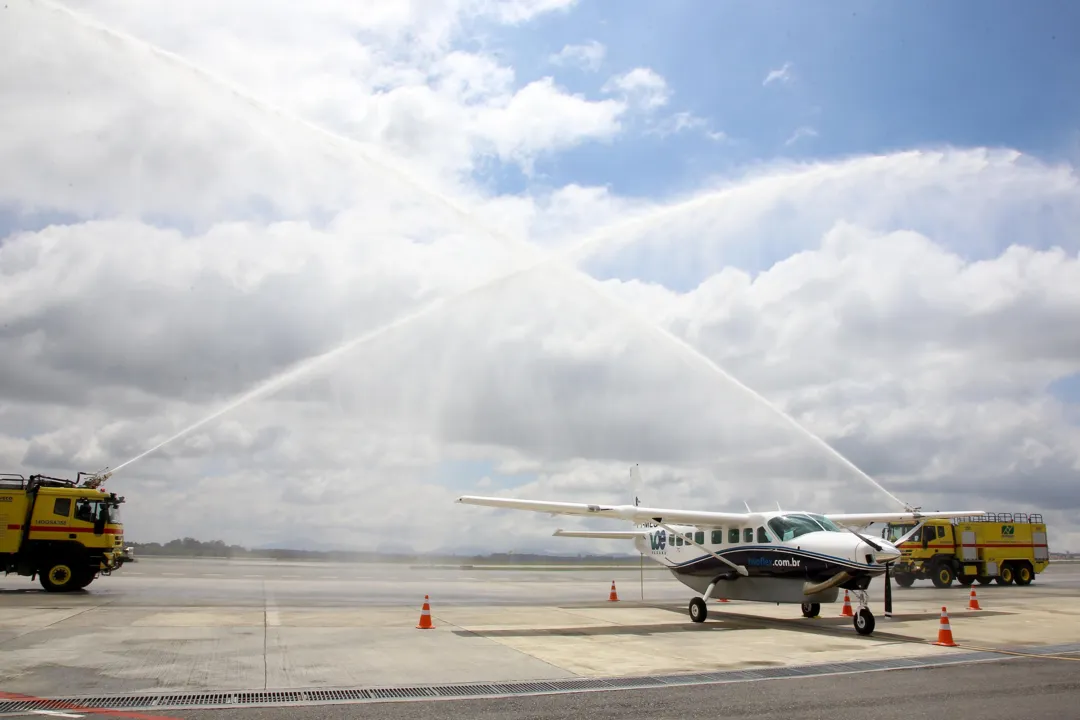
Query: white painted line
(254, 576)
(328, 577)
(211, 574)
(56, 713)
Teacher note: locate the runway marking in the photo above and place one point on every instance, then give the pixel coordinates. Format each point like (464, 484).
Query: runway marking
(56, 713)
(254, 576)
(211, 574)
(329, 577)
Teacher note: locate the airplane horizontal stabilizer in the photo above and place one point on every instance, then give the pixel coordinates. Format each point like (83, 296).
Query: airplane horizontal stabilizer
(602, 534)
(630, 513)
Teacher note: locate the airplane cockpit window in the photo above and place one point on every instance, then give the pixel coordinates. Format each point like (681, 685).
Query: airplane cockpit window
(762, 536)
(787, 527)
(824, 522)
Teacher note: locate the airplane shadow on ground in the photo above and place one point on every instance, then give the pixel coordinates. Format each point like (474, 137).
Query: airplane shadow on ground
(726, 621)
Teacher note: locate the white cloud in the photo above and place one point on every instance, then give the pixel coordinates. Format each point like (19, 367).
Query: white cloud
(781, 75)
(803, 131)
(642, 87)
(685, 121)
(910, 308)
(589, 55)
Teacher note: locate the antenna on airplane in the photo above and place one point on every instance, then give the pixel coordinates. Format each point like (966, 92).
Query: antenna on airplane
(747, 506)
(635, 482)
(778, 506)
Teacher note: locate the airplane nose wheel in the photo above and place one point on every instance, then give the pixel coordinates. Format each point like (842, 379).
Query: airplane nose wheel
(864, 619)
(698, 611)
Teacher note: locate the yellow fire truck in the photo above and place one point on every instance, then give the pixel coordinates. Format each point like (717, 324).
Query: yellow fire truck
(1005, 547)
(58, 530)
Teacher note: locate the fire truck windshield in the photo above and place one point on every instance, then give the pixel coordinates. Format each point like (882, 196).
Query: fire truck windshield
(91, 510)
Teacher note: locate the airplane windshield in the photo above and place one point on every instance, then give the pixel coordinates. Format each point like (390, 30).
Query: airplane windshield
(787, 527)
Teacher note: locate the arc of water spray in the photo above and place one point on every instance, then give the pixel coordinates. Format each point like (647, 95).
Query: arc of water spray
(469, 218)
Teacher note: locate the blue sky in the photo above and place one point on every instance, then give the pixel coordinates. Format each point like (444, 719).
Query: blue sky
(868, 77)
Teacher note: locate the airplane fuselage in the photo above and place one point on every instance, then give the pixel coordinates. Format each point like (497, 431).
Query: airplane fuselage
(804, 569)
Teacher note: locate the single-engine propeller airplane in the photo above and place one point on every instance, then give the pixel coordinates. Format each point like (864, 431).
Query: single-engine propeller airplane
(776, 556)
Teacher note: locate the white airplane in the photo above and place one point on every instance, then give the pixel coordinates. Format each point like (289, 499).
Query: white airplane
(775, 557)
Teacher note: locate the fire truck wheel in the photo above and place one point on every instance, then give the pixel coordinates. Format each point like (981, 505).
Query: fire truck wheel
(1006, 575)
(942, 576)
(1023, 575)
(59, 576)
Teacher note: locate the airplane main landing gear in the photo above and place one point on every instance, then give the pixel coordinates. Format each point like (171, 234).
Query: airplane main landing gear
(810, 610)
(864, 619)
(698, 610)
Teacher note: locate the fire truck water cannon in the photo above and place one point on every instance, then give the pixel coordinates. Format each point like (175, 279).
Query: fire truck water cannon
(96, 480)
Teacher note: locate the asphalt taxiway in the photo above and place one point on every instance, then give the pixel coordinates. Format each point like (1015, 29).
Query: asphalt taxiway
(167, 627)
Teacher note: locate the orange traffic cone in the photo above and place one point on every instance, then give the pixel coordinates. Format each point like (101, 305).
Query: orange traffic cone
(944, 633)
(614, 596)
(846, 612)
(722, 600)
(425, 617)
(973, 602)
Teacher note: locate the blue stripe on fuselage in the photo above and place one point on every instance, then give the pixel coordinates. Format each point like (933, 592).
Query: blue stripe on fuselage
(780, 548)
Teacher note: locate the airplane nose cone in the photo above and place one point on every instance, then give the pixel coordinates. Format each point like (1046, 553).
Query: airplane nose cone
(887, 554)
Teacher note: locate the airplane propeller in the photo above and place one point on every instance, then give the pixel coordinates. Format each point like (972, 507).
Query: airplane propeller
(888, 569)
(888, 589)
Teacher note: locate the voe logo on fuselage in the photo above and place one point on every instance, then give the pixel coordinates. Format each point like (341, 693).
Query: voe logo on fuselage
(658, 540)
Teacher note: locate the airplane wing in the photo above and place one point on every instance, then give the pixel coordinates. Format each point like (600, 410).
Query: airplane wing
(630, 513)
(602, 534)
(867, 518)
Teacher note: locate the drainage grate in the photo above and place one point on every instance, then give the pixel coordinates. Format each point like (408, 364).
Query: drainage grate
(256, 698)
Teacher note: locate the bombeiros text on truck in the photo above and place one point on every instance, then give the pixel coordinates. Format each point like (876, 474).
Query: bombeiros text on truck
(66, 533)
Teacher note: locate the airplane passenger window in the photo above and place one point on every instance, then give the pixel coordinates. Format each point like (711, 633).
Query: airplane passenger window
(748, 535)
(699, 537)
(762, 536)
(718, 537)
(733, 535)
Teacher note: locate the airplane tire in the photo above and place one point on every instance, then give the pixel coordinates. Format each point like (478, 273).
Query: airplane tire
(698, 611)
(811, 610)
(864, 621)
